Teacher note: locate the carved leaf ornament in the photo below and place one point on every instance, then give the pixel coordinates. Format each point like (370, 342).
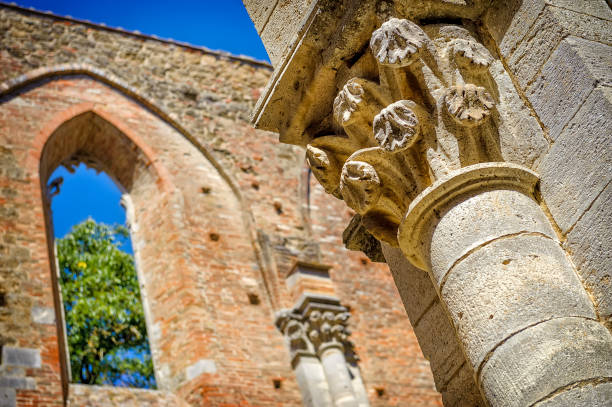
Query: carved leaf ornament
(381, 162)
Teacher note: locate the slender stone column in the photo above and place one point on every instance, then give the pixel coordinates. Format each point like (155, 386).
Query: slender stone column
(312, 381)
(525, 322)
(338, 378)
(317, 334)
(306, 365)
(327, 330)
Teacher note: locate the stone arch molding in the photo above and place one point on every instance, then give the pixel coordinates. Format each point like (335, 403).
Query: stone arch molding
(15, 84)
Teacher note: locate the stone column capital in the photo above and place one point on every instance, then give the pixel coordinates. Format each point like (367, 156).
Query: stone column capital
(316, 323)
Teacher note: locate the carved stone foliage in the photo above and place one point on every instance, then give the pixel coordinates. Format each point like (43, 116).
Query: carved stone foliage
(314, 327)
(430, 112)
(291, 325)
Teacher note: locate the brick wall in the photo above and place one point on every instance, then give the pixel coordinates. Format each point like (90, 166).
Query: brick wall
(222, 212)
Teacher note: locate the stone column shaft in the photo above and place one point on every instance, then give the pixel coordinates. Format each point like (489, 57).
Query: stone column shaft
(312, 381)
(522, 315)
(338, 378)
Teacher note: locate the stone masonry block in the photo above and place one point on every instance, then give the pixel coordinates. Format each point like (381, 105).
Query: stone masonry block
(592, 395)
(521, 138)
(462, 390)
(513, 283)
(596, 8)
(551, 27)
(260, 11)
(579, 164)
(43, 315)
(200, 367)
(590, 243)
(414, 285)
(21, 357)
(8, 397)
(575, 68)
(17, 382)
(281, 28)
(459, 232)
(508, 21)
(544, 358)
(439, 345)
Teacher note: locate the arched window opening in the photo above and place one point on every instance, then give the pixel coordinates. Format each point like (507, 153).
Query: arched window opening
(85, 166)
(104, 317)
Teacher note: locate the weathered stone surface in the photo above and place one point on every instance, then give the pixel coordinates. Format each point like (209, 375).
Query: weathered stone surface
(260, 11)
(414, 285)
(282, 27)
(312, 382)
(589, 395)
(521, 138)
(104, 396)
(437, 340)
(201, 366)
(596, 8)
(590, 243)
(462, 390)
(24, 357)
(468, 225)
(8, 397)
(338, 379)
(579, 164)
(43, 315)
(552, 25)
(541, 359)
(509, 285)
(575, 68)
(508, 21)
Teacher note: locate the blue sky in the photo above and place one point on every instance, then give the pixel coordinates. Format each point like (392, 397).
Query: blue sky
(85, 194)
(216, 24)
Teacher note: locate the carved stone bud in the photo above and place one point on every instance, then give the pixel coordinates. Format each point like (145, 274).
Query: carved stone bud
(347, 101)
(471, 54)
(469, 104)
(324, 169)
(397, 42)
(396, 127)
(360, 186)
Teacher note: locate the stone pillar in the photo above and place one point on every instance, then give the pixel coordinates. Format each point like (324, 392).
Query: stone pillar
(337, 374)
(526, 323)
(312, 381)
(317, 327)
(360, 391)
(306, 365)
(430, 143)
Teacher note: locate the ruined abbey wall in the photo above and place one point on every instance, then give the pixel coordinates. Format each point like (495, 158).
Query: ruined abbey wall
(221, 212)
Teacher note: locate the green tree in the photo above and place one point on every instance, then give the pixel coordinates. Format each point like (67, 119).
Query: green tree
(104, 316)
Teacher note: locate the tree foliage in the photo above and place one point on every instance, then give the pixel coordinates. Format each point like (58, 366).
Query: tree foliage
(104, 316)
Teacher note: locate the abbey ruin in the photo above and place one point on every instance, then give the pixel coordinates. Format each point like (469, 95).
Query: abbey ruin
(433, 227)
